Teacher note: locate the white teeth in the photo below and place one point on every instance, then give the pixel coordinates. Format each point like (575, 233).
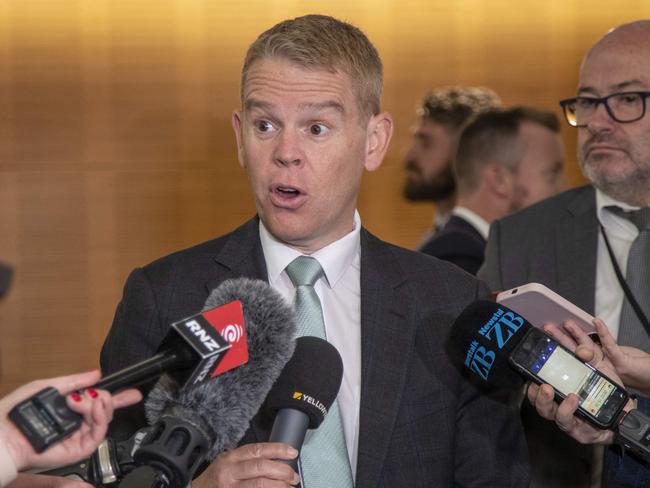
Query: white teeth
(287, 189)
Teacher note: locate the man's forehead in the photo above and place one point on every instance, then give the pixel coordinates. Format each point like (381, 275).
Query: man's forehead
(615, 67)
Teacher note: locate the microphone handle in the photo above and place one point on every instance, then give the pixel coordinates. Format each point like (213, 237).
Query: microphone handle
(290, 427)
(145, 370)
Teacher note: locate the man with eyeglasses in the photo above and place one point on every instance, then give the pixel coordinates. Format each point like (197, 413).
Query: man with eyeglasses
(591, 245)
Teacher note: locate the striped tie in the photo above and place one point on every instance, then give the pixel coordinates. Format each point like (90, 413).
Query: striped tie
(637, 276)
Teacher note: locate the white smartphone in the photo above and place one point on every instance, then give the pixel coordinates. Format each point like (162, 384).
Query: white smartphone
(541, 305)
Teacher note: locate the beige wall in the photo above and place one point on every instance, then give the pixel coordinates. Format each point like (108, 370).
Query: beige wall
(116, 147)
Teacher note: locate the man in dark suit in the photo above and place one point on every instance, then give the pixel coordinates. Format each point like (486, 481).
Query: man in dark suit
(441, 116)
(560, 242)
(305, 134)
(506, 160)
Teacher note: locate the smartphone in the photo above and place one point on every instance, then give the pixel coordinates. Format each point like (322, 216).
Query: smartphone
(544, 360)
(541, 305)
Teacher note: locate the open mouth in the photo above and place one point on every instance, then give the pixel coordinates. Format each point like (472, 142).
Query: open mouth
(287, 191)
(286, 196)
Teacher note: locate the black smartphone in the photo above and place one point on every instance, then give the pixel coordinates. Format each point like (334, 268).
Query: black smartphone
(544, 360)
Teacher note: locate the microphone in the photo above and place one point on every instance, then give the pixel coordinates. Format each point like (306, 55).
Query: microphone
(191, 425)
(483, 338)
(190, 353)
(304, 392)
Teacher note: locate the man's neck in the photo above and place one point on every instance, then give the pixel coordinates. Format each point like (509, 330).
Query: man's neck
(444, 206)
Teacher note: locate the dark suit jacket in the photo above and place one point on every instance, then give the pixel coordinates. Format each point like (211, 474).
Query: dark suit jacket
(421, 423)
(459, 243)
(555, 242)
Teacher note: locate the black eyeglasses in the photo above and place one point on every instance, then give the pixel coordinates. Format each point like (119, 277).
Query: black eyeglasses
(622, 107)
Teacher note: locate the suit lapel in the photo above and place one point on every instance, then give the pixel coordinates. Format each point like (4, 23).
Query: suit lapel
(241, 256)
(386, 340)
(576, 251)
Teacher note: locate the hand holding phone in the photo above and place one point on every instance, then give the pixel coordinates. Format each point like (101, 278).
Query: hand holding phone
(567, 414)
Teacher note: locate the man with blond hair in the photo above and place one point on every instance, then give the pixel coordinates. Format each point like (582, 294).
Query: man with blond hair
(310, 123)
(591, 245)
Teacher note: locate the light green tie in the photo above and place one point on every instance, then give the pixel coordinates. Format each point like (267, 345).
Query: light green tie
(324, 461)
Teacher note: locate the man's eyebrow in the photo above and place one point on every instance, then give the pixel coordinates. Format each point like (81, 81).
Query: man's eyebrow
(618, 86)
(323, 106)
(252, 103)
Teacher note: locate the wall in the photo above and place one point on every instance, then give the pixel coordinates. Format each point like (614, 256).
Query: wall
(116, 147)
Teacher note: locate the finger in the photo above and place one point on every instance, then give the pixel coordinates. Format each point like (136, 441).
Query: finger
(266, 469)
(561, 336)
(100, 416)
(564, 416)
(544, 402)
(607, 341)
(126, 398)
(66, 384)
(531, 392)
(267, 450)
(586, 354)
(577, 333)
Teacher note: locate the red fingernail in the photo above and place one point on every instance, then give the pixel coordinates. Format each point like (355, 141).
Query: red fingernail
(92, 393)
(75, 397)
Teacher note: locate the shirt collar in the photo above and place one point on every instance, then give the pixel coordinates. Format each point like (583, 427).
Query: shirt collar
(609, 220)
(335, 258)
(481, 225)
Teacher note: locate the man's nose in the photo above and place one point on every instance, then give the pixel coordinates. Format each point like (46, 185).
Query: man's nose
(288, 150)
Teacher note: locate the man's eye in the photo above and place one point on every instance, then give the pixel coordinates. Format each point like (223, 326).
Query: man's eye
(318, 129)
(264, 126)
(628, 98)
(585, 102)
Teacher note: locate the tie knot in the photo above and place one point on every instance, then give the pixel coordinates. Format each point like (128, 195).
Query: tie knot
(640, 218)
(304, 271)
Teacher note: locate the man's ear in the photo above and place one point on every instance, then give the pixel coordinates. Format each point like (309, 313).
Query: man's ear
(500, 179)
(379, 133)
(236, 122)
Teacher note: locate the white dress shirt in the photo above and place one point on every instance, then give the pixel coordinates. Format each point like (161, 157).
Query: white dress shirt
(340, 297)
(481, 225)
(621, 233)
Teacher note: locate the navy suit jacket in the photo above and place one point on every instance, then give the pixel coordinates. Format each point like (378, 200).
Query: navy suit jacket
(555, 242)
(422, 424)
(458, 242)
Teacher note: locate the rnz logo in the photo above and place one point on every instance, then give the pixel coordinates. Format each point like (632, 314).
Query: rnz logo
(232, 333)
(498, 331)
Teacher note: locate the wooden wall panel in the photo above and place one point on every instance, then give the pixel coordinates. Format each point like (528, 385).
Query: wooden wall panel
(116, 146)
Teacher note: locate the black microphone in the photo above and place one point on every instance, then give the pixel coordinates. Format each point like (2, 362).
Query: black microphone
(304, 392)
(483, 338)
(189, 353)
(195, 424)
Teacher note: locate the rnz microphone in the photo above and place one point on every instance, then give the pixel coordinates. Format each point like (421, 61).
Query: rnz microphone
(195, 424)
(304, 392)
(190, 353)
